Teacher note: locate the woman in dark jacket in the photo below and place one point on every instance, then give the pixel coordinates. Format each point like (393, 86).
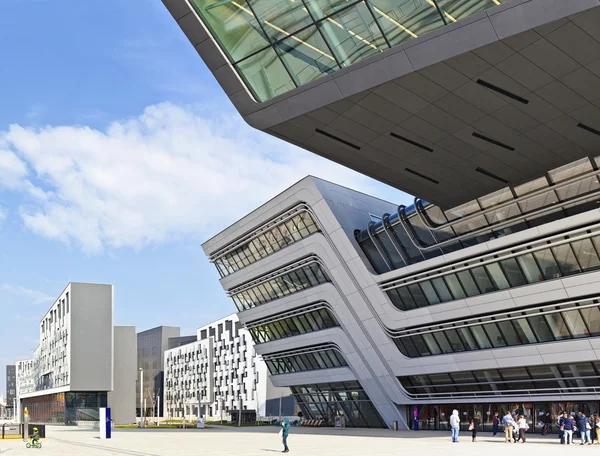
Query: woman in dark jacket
(476, 423)
(593, 431)
(569, 427)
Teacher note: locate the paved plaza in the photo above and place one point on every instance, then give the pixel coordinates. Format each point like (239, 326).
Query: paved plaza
(225, 441)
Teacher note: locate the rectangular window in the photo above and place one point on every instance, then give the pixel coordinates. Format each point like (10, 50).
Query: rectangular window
(513, 273)
(530, 268)
(468, 283)
(429, 292)
(575, 323)
(482, 279)
(494, 335)
(497, 276)
(586, 254)
(480, 337)
(454, 286)
(591, 317)
(566, 259)
(558, 326)
(441, 289)
(540, 328)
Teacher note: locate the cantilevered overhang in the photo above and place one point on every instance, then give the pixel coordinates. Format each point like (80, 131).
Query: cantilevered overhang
(495, 99)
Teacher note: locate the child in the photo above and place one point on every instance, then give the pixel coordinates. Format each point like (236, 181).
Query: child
(35, 438)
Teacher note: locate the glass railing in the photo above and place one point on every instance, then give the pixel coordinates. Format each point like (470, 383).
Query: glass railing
(546, 260)
(540, 324)
(278, 45)
(278, 285)
(552, 380)
(423, 230)
(302, 321)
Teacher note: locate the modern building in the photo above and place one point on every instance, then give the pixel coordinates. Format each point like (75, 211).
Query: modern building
(220, 374)
(71, 373)
(125, 374)
(11, 388)
(175, 342)
(480, 296)
(151, 347)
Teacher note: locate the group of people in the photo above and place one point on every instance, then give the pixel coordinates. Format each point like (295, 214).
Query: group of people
(580, 425)
(514, 429)
(516, 426)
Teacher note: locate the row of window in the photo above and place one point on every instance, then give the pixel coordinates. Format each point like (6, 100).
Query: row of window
(276, 238)
(326, 401)
(566, 378)
(314, 320)
(547, 324)
(323, 359)
(554, 262)
(391, 247)
(290, 282)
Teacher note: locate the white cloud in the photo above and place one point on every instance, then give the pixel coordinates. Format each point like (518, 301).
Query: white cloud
(23, 294)
(172, 172)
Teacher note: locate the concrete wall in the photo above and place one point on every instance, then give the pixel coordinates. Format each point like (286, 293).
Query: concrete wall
(91, 337)
(122, 398)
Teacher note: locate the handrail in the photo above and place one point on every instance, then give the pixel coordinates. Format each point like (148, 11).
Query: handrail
(375, 242)
(503, 317)
(397, 244)
(517, 200)
(505, 393)
(449, 268)
(521, 198)
(508, 222)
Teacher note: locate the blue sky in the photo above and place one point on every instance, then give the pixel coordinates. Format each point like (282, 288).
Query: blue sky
(119, 156)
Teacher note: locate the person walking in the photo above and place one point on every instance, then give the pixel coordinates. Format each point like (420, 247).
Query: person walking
(594, 430)
(515, 431)
(547, 427)
(455, 425)
(475, 423)
(569, 427)
(508, 422)
(523, 426)
(285, 431)
(495, 423)
(585, 426)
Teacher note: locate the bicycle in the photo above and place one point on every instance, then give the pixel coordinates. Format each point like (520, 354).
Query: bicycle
(34, 444)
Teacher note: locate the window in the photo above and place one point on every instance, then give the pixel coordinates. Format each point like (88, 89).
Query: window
(272, 240)
(323, 359)
(539, 325)
(287, 283)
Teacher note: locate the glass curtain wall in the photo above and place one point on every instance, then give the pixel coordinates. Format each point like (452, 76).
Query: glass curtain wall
(542, 264)
(278, 45)
(558, 379)
(436, 417)
(315, 320)
(326, 401)
(519, 327)
(568, 190)
(287, 283)
(270, 241)
(65, 408)
(299, 362)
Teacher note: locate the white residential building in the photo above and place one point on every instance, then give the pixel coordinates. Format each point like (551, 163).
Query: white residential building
(72, 370)
(215, 371)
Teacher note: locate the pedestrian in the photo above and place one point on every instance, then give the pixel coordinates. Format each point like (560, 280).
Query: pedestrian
(508, 422)
(516, 434)
(475, 423)
(547, 428)
(585, 426)
(561, 427)
(455, 425)
(569, 427)
(523, 426)
(285, 430)
(596, 429)
(495, 423)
